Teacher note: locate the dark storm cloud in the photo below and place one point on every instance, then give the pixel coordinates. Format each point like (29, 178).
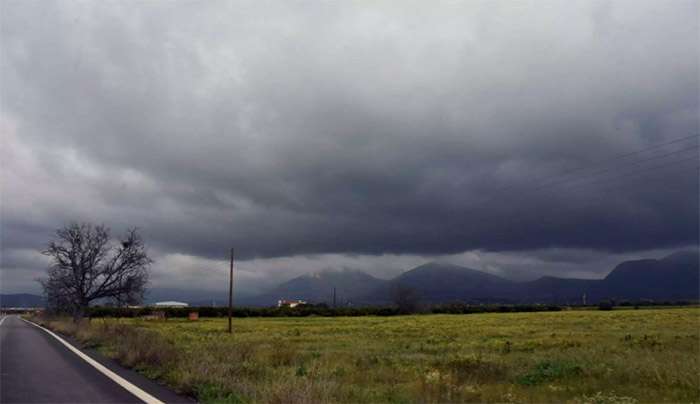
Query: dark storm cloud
(395, 128)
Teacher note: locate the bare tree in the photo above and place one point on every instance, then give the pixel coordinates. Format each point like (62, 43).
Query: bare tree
(87, 265)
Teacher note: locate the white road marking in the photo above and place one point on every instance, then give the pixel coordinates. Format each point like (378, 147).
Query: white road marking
(147, 398)
(2, 319)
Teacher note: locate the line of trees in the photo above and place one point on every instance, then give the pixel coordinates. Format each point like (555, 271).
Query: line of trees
(322, 310)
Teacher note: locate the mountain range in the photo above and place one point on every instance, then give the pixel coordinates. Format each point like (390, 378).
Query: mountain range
(675, 277)
(21, 300)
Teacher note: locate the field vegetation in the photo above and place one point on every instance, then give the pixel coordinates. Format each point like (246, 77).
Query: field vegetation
(618, 356)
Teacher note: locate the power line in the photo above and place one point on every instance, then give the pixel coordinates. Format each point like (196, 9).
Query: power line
(606, 171)
(629, 173)
(616, 158)
(661, 145)
(605, 162)
(602, 195)
(605, 176)
(611, 181)
(513, 227)
(633, 163)
(601, 192)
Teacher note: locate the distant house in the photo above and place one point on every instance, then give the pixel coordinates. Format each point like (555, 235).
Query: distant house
(170, 304)
(289, 303)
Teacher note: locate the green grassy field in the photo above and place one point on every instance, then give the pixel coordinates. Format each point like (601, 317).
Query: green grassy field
(619, 356)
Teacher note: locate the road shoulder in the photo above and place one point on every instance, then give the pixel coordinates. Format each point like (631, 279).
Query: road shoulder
(152, 387)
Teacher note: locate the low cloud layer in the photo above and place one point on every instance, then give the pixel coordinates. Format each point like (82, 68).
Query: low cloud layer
(351, 135)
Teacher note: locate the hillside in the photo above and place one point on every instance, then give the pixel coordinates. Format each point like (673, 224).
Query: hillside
(350, 285)
(676, 276)
(21, 300)
(439, 282)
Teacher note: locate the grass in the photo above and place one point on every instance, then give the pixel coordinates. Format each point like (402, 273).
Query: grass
(624, 356)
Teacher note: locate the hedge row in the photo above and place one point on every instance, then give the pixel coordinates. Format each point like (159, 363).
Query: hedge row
(313, 310)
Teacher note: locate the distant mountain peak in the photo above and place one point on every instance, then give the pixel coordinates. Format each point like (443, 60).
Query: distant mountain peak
(438, 267)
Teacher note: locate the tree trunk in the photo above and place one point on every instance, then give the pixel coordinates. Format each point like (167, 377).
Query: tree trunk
(79, 312)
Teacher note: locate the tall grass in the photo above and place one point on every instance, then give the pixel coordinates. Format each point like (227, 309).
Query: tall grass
(133, 347)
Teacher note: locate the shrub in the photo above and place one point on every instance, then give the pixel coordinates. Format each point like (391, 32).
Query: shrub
(548, 371)
(131, 346)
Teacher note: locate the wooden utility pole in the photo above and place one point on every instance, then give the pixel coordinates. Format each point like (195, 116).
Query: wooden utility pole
(230, 295)
(334, 297)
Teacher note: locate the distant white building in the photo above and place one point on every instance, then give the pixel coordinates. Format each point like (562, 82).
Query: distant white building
(289, 303)
(170, 304)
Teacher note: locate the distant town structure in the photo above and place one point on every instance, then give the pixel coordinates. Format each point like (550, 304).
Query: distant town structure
(170, 304)
(289, 303)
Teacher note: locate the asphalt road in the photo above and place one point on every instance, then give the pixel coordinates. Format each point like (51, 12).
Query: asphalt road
(35, 367)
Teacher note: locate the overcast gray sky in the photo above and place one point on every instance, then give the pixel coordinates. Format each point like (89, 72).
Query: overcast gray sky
(367, 135)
